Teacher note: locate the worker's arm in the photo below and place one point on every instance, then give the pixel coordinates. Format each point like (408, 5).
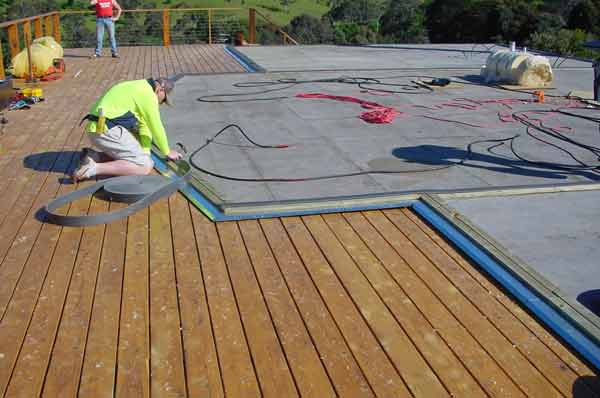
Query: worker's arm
(117, 7)
(93, 2)
(152, 126)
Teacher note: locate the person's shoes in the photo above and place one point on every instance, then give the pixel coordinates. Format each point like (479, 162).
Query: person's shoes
(89, 152)
(95, 56)
(86, 169)
(115, 55)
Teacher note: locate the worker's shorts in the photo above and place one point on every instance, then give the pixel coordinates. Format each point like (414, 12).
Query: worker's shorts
(120, 144)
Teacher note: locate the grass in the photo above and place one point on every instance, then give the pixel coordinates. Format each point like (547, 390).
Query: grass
(273, 9)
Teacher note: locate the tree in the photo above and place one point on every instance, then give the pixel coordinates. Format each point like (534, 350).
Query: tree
(359, 11)
(403, 22)
(310, 30)
(585, 16)
(516, 19)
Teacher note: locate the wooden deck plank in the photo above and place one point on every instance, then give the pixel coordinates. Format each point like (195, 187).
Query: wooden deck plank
(199, 65)
(32, 275)
(524, 318)
(201, 362)
(30, 370)
(303, 359)
(204, 59)
(343, 370)
(63, 375)
(133, 356)
(271, 366)
(313, 306)
(62, 379)
(409, 362)
(99, 366)
(18, 312)
(237, 369)
(556, 371)
(529, 379)
(379, 235)
(381, 373)
(166, 360)
(446, 364)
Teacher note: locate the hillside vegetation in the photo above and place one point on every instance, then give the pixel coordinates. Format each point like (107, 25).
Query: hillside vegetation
(557, 25)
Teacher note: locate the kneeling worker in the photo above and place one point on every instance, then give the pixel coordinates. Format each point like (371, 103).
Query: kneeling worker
(131, 125)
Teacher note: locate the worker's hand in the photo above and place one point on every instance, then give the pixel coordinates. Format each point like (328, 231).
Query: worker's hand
(174, 155)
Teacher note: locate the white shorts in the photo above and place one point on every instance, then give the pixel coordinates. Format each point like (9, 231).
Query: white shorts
(120, 144)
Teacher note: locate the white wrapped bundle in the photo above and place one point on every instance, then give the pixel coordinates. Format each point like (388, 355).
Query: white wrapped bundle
(517, 68)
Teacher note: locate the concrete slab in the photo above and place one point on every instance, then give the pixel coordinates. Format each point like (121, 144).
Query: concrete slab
(405, 56)
(555, 233)
(327, 137)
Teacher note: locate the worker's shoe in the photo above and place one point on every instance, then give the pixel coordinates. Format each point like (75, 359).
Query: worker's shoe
(86, 169)
(89, 152)
(115, 55)
(95, 55)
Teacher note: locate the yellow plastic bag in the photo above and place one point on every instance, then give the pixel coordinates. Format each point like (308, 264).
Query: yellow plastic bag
(42, 59)
(48, 41)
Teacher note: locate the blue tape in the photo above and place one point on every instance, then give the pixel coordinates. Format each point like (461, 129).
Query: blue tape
(587, 347)
(240, 60)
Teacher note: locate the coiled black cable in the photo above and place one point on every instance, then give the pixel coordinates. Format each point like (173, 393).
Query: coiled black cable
(365, 83)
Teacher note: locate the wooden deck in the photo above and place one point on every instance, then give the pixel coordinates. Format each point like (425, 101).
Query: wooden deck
(169, 304)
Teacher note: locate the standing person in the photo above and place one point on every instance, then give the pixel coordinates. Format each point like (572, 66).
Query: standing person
(105, 19)
(132, 125)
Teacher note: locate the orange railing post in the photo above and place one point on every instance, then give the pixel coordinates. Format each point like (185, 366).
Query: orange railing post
(56, 27)
(166, 28)
(2, 75)
(252, 26)
(13, 40)
(48, 25)
(37, 27)
(209, 26)
(27, 33)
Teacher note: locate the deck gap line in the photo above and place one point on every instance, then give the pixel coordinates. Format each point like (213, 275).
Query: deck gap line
(507, 307)
(432, 291)
(382, 301)
(513, 317)
(492, 357)
(210, 318)
(66, 295)
(480, 311)
(237, 305)
(180, 317)
(91, 310)
(269, 311)
(427, 320)
(369, 327)
(310, 336)
(328, 307)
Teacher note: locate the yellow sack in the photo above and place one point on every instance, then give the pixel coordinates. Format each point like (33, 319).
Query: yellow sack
(48, 41)
(41, 61)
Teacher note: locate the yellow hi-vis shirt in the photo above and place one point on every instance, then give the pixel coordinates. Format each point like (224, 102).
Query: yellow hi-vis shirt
(137, 97)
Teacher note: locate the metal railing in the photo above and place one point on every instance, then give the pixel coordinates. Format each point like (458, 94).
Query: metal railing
(140, 27)
(156, 26)
(19, 33)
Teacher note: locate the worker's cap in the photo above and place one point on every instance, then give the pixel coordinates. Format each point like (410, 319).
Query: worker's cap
(168, 85)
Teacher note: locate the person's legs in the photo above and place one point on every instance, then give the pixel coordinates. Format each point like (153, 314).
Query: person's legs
(110, 24)
(122, 168)
(99, 35)
(121, 154)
